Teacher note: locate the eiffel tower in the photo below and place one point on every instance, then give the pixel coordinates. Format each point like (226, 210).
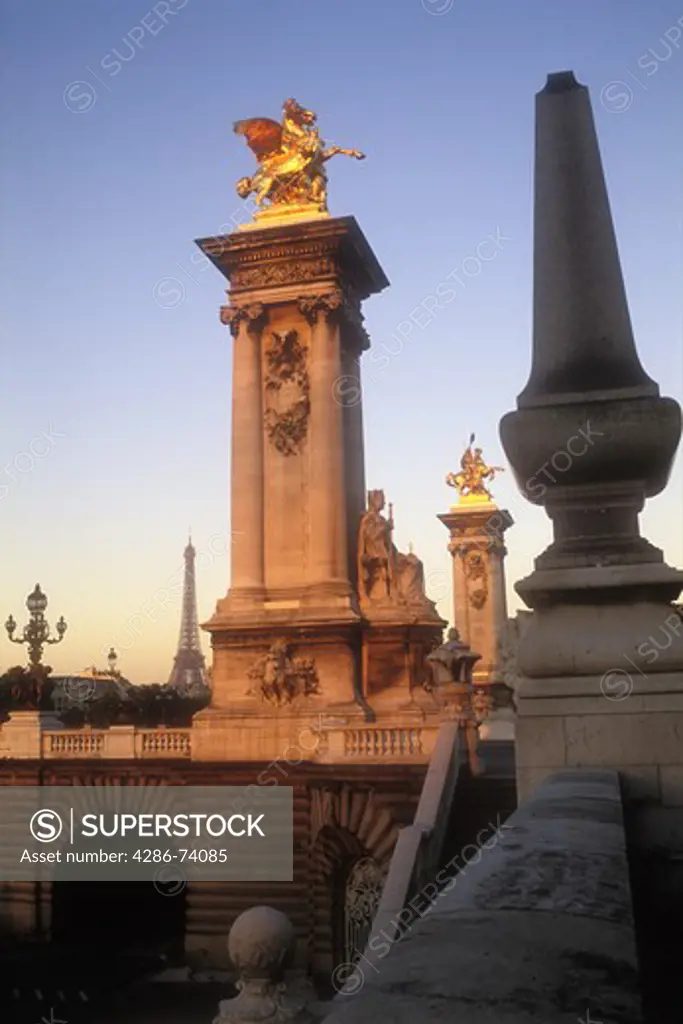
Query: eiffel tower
(189, 670)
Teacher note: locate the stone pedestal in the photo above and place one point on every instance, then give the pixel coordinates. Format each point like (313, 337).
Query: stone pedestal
(119, 741)
(476, 543)
(22, 735)
(394, 662)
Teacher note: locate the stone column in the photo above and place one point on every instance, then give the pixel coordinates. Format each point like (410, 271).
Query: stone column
(461, 619)
(328, 551)
(247, 484)
(498, 599)
(602, 658)
(350, 397)
(479, 605)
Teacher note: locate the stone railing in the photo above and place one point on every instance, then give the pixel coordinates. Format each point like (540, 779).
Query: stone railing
(537, 925)
(163, 743)
(418, 849)
(377, 743)
(73, 743)
(30, 735)
(117, 742)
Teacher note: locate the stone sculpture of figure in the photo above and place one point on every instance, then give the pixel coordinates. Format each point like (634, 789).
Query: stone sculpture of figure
(410, 578)
(28, 689)
(384, 573)
(469, 482)
(274, 677)
(375, 550)
(451, 665)
(452, 661)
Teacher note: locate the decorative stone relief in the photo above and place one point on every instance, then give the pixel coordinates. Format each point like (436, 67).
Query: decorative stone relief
(279, 678)
(475, 571)
(287, 393)
(285, 272)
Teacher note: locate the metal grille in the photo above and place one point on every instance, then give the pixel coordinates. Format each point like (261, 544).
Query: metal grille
(364, 885)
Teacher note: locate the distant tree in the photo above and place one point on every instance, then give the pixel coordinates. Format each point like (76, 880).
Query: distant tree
(108, 709)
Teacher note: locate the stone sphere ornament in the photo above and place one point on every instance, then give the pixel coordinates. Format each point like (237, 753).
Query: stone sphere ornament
(261, 943)
(261, 946)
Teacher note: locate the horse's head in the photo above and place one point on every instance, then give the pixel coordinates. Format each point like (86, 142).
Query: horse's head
(295, 112)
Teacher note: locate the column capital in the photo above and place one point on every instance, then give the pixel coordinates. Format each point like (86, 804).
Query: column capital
(336, 307)
(329, 304)
(254, 315)
(457, 547)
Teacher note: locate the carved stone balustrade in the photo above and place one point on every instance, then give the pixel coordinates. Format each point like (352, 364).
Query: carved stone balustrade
(32, 734)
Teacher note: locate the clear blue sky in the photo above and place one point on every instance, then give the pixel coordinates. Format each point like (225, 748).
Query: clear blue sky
(106, 183)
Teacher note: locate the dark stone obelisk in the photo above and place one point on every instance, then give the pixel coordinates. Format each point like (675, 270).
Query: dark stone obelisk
(590, 440)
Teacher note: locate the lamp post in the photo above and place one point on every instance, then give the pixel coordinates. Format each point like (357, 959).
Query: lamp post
(36, 633)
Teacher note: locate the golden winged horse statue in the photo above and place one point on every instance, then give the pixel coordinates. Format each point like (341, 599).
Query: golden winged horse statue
(291, 158)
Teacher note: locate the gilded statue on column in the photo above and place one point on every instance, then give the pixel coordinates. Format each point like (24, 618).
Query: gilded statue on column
(291, 159)
(469, 482)
(386, 575)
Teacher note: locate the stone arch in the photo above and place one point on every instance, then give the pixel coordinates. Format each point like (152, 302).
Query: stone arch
(348, 825)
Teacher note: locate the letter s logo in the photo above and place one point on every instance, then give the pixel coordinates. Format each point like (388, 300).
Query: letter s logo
(46, 826)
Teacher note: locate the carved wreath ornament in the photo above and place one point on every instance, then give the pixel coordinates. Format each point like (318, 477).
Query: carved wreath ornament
(287, 393)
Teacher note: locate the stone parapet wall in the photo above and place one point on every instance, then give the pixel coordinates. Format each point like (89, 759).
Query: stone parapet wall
(35, 736)
(539, 928)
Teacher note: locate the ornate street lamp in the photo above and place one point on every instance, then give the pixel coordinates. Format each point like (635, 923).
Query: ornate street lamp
(36, 634)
